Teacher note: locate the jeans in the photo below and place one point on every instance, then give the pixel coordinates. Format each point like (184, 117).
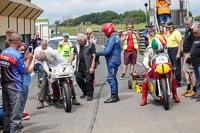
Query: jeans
(172, 52)
(12, 100)
(164, 18)
(38, 67)
(24, 98)
(197, 76)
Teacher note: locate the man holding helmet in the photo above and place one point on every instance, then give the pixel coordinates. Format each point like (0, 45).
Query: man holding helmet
(112, 53)
(157, 46)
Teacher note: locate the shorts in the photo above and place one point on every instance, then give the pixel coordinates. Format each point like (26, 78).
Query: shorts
(187, 67)
(130, 57)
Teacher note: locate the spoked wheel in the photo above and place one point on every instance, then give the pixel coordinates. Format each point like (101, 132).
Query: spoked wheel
(165, 95)
(67, 98)
(129, 84)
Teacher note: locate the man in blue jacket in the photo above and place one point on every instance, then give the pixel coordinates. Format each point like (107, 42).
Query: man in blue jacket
(112, 53)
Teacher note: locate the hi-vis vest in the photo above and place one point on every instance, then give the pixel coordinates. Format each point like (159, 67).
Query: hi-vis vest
(65, 50)
(163, 7)
(125, 44)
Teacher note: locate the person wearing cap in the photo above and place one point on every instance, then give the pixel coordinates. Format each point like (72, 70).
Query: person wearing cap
(130, 45)
(174, 46)
(163, 10)
(26, 82)
(90, 36)
(146, 33)
(156, 46)
(65, 47)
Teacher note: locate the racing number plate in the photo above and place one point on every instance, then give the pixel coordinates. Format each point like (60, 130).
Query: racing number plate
(161, 59)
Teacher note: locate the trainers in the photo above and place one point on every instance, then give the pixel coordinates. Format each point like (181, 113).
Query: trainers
(190, 94)
(75, 102)
(25, 116)
(123, 75)
(186, 92)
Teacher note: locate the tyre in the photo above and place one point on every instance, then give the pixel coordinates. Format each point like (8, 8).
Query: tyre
(129, 84)
(67, 98)
(165, 95)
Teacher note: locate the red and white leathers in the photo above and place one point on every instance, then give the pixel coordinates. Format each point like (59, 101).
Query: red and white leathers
(148, 56)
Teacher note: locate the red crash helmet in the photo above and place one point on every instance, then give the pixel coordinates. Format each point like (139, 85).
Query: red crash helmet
(108, 29)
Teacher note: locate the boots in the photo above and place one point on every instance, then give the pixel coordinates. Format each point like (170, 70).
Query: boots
(144, 94)
(112, 99)
(174, 93)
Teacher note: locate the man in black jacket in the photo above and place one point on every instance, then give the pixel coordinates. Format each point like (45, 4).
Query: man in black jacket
(187, 66)
(195, 58)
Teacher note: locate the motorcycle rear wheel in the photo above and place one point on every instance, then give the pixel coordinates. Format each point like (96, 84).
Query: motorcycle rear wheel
(67, 98)
(165, 95)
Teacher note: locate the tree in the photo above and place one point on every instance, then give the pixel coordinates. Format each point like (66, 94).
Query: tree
(197, 18)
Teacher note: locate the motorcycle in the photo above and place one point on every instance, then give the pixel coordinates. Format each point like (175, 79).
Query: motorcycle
(160, 81)
(62, 74)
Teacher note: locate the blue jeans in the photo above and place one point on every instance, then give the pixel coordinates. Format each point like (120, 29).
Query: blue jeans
(164, 18)
(24, 98)
(38, 67)
(172, 52)
(197, 76)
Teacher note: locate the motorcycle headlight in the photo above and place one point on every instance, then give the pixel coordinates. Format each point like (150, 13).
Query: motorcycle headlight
(162, 68)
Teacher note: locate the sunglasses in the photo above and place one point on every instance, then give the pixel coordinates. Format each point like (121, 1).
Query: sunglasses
(195, 32)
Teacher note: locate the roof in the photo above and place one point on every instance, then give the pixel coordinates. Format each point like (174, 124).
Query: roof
(19, 9)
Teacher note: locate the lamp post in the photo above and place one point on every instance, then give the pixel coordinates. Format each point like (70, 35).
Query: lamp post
(145, 4)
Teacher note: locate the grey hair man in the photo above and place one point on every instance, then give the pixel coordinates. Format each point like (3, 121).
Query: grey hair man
(187, 66)
(85, 54)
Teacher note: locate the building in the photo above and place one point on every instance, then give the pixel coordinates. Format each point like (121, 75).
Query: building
(19, 15)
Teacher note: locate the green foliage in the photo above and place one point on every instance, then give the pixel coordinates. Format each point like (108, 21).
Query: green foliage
(72, 30)
(136, 16)
(197, 18)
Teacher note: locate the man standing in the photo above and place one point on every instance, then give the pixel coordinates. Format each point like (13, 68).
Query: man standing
(130, 46)
(36, 41)
(65, 47)
(174, 46)
(112, 53)
(163, 10)
(85, 54)
(187, 66)
(12, 69)
(195, 58)
(146, 33)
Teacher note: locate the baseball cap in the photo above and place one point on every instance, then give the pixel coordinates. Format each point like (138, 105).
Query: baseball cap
(169, 24)
(66, 34)
(23, 48)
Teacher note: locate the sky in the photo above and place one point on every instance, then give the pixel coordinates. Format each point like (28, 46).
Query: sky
(65, 9)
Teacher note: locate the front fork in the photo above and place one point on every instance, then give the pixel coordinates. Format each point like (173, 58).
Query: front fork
(168, 87)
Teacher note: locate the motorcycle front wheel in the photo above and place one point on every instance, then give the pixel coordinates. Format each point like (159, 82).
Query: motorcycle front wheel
(165, 95)
(67, 98)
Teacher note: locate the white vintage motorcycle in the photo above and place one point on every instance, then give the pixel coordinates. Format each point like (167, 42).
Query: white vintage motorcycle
(62, 74)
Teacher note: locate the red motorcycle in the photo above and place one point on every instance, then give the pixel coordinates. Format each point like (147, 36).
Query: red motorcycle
(161, 82)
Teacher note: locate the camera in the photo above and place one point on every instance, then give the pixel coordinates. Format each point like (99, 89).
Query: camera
(188, 60)
(30, 49)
